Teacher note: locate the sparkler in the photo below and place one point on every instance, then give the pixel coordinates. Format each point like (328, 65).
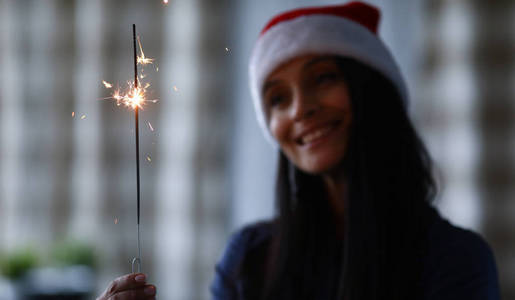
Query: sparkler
(134, 98)
(137, 260)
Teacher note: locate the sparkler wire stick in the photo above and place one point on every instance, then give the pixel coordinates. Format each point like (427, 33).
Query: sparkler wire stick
(136, 260)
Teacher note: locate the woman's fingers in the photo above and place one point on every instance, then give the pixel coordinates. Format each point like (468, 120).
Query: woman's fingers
(130, 286)
(142, 292)
(126, 282)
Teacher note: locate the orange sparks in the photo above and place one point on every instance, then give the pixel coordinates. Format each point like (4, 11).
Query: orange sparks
(150, 126)
(73, 114)
(131, 96)
(107, 84)
(134, 98)
(142, 60)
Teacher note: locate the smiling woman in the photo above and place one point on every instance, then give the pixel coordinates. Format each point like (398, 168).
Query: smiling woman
(354, 185)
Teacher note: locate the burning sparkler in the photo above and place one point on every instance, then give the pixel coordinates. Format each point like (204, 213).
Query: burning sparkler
(137, 96)
(134, 98)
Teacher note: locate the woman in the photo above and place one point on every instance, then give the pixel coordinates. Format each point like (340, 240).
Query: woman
(354, 184)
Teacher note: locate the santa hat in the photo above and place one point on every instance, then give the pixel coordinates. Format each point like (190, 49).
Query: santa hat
(348, 30)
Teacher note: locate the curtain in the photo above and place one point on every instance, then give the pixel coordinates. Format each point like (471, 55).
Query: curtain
(67, 156)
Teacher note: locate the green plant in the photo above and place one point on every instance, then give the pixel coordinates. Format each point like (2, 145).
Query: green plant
(72, 252)
(15, 264)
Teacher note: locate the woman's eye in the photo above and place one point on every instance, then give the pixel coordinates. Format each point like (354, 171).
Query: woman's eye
(275, 100)
(325, 77)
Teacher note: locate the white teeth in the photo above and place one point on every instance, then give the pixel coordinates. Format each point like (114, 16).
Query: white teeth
(315, 134)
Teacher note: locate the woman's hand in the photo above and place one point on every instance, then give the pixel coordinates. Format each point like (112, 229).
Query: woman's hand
(129, 287)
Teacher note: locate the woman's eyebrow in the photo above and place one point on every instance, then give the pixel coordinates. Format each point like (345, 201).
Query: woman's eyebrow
(316, 60)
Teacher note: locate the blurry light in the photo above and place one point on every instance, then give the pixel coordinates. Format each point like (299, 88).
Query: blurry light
(107, 84)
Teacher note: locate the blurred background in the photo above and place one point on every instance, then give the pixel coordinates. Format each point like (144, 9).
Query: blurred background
(67, 168)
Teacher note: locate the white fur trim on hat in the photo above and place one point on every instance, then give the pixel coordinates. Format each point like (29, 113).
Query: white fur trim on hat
(317, 34)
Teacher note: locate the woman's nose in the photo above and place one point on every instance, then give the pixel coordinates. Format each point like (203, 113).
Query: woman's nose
(304, 106)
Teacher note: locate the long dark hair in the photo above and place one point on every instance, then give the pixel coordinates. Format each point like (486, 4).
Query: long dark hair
(387, 208)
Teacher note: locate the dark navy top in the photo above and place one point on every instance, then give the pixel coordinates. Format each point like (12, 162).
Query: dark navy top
(459, 263)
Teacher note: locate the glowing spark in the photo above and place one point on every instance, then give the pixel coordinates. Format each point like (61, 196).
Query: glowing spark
(149, 159)
(165, 1)
(133, 97)
(142, 60)
(175, 88)
(157, 69)
(150, 125)
(83, 117)
(107, 84)
(73, 114)
(115, 221)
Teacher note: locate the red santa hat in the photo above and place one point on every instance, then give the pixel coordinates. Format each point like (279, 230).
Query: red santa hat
(348, 30)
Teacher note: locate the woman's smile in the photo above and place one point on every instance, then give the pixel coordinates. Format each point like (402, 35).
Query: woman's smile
(317, 135)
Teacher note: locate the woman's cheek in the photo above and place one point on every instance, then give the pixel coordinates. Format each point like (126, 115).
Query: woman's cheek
(277, 129)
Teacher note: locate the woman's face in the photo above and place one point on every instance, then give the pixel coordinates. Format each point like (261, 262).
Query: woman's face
(307, 104)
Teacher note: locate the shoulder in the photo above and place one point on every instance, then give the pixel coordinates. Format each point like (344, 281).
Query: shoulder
(459, 264)
(243, 241)
(227, 281)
